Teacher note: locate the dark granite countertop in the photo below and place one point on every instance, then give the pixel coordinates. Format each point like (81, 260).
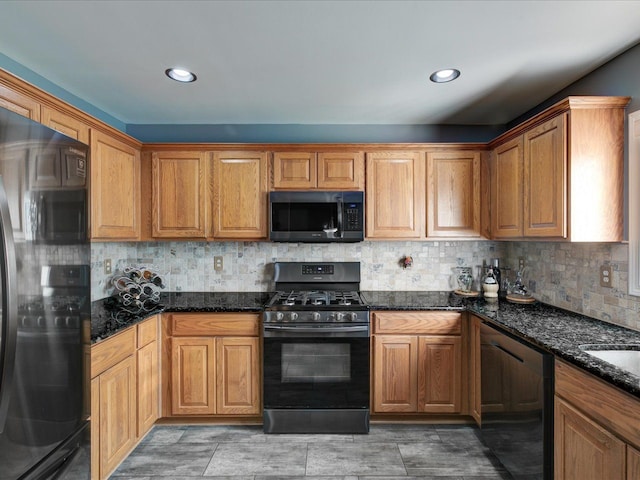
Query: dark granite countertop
(413, 300)
(107, 321)
(553, 329)
(562, 332)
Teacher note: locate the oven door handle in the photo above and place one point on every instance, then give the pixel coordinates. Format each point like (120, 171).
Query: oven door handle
(318, 329)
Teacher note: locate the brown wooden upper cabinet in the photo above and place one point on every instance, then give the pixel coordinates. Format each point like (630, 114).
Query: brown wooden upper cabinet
(395, 195)
(529, 183)
(323, 170)
(240, 182)
(115, 189)
(65, 124)
(506, 189)
(453, 194)
(204, 194)
(179, 203)
(559, 175)
(19, 103)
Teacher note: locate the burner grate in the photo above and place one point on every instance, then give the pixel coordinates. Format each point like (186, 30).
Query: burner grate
(315, 298)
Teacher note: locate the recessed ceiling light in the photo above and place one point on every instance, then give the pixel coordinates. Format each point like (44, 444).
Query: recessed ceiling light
(444, 75)
(180, 75)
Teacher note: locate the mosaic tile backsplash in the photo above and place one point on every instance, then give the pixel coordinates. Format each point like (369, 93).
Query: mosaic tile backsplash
(188, 266)
(567, 275)
(561, 274)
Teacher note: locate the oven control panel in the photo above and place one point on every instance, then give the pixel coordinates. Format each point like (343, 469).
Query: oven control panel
(317, 269)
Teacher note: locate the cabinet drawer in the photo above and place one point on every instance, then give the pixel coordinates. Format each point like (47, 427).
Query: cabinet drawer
(215, 324)
(430, 323)
(147, 331)
(109, 352)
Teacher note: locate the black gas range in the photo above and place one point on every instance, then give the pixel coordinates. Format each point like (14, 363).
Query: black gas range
(316, 350)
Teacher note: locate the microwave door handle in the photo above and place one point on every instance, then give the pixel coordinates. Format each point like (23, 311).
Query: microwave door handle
(42, 219)
(9, 315)
(340, 206)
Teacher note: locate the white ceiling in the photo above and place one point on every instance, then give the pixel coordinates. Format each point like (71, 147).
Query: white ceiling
(315, 62)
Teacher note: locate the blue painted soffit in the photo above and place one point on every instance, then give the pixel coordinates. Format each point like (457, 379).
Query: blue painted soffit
(264, 133)
(39, 81)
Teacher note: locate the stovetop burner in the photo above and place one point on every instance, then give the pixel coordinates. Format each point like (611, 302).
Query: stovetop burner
(316, 298)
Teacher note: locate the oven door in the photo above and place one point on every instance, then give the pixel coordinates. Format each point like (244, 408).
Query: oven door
(316, 367)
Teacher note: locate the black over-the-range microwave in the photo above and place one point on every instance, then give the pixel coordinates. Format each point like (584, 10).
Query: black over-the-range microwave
(316, 216)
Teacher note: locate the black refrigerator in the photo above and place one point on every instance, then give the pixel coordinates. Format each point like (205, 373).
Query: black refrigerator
(44, 302)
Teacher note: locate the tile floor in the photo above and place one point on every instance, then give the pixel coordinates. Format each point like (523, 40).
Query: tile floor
(390, 452)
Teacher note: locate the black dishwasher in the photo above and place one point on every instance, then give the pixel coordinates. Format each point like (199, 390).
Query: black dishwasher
(517, 404)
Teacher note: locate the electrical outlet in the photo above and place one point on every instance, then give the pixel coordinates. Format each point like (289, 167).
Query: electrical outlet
(107, 266)
(605, 276)
(218, 263)
(521, 264)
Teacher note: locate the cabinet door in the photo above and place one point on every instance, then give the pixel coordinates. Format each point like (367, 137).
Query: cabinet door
(439, 374)
(294, 170)
(238, 375)
(148, 385)
(95, 428)
(66, 124)
(545, 180)
(341, 171)
(117, 418)
(395, 383)
(19, 103)
(179, 195)
(583, 449)
(453, 194)
(193, 376)
(395, 195)
(115, 189)
(507, 190)
(633, 463)
(240, 195)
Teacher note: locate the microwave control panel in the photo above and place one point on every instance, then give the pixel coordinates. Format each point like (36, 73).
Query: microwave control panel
(352, 217)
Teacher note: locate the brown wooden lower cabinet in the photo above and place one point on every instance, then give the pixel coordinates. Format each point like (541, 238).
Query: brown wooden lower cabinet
(583, 449)
(117, 416)
(633, 463)
(192, 376)
(216, 374)
(238, 376)
(417, 373)
(597, 429)
(148, 374)
(124, 394)
(395, 380)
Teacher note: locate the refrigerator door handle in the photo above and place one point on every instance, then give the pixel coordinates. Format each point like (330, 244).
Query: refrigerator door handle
(9, 307)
